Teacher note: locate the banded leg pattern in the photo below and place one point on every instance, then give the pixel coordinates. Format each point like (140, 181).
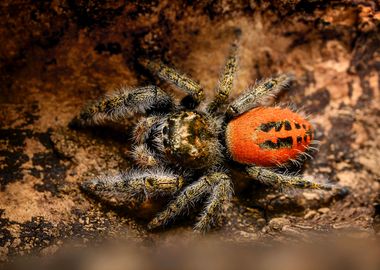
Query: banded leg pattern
(192, 88)
(118, 104)
(132, 188)
(274, 179)
(226, 80)
(256, 94)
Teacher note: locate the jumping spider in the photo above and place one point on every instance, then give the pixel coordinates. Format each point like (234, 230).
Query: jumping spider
(188, 153)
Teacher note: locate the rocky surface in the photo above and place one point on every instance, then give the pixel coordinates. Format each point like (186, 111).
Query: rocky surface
(56, 56)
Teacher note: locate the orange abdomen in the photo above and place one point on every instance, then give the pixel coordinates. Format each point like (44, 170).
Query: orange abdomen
(268, 136)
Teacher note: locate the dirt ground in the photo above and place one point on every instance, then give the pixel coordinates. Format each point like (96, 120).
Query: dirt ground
(57, 56)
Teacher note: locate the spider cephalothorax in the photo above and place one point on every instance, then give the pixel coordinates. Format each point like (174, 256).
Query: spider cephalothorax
(175, 144)
(190, 137)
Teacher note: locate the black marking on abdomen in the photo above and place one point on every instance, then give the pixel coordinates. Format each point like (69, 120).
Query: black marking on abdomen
(270, 125)
(309, 133)
(298, 126)
(268, 145)
(285, 142)
(287, 125)
(267, 126)
(299, 139)
(278, 126)
(281, 143)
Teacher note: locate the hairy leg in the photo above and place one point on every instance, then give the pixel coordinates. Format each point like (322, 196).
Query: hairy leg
(282, 181)
(256, 94)
(117, 105)
(141, 130)
(132, 188)
(226, 80)
(189, 196)
(192, 88)
(219, 197)
(144, 157)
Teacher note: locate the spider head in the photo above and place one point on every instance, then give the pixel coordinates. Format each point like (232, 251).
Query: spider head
(189, 139)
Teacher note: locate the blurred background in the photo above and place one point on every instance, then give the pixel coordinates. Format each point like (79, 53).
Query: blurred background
(57, 55)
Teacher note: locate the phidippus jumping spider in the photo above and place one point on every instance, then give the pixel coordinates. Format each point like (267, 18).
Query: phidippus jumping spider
(188, 152)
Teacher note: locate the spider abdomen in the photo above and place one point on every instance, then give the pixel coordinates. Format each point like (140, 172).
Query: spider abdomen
(268, 136)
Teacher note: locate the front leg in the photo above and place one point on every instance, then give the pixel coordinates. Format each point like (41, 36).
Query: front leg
(141, 153)
(143, 127)
(117, 105)
(226, 80)
(134, 187)
(192, 88)
(144, 157)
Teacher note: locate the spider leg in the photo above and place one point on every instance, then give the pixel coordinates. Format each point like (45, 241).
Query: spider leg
(132, 188)
(220, 196)
(115, 106)
(193, 89)
(282, 181)
(256, 94)
(188, 196)
(144, 157)
(226, 80)
(141, 129)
